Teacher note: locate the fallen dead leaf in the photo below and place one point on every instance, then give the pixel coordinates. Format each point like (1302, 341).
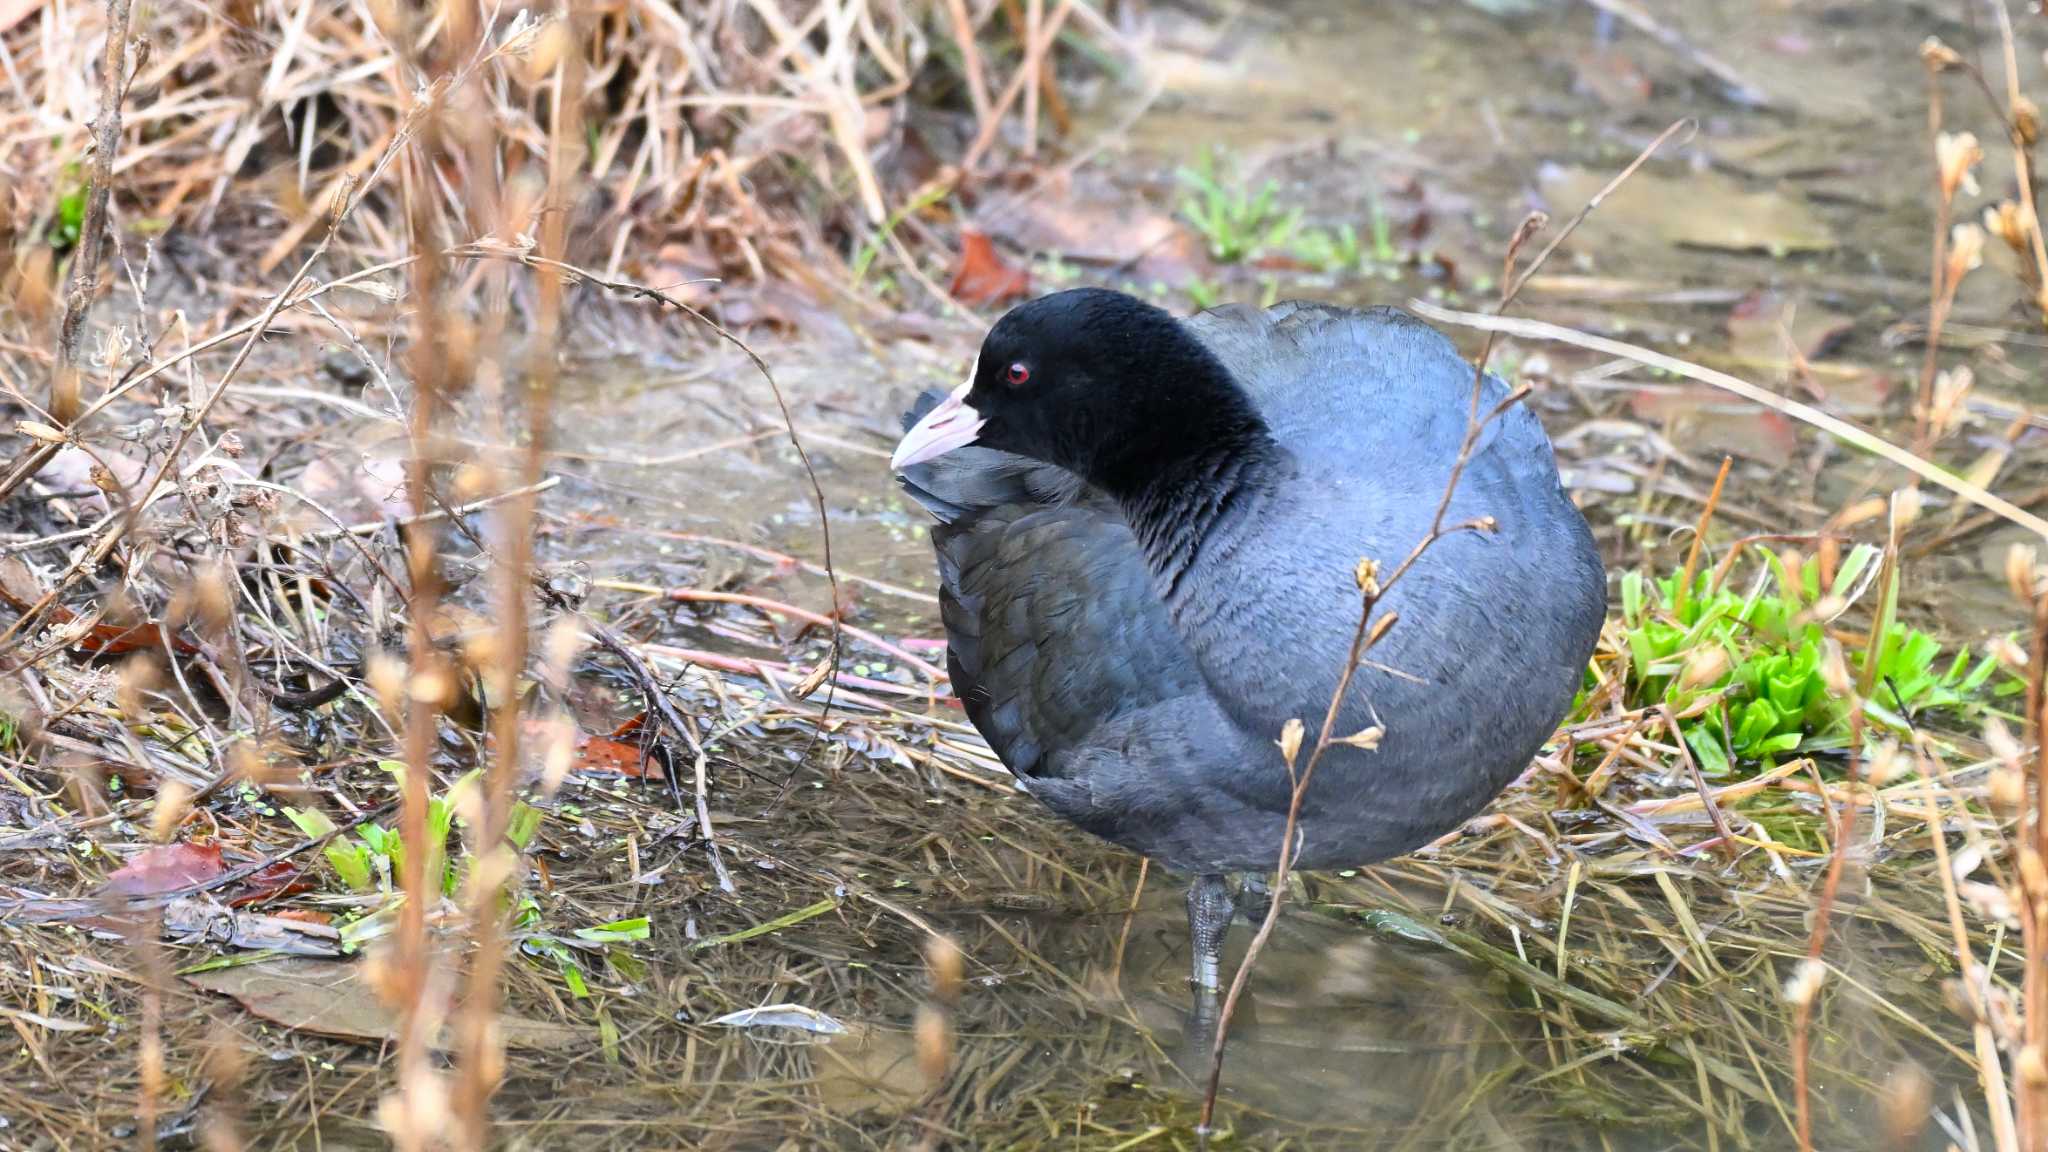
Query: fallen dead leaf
(1715, 428)
(20, 590)
(195, 919)
(867, 1069)
(982, 277)
(1705, 209)
(165, 868)
(1755, 323)
(330, 998)
(615, 755)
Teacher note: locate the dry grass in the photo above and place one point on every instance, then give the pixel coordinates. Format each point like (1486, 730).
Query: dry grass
(710, 124)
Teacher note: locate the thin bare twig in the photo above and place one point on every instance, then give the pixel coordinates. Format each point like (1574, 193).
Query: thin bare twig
(92, 233)
(1372, 590)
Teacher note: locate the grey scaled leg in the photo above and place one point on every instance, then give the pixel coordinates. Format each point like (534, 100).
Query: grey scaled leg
(1210, 908)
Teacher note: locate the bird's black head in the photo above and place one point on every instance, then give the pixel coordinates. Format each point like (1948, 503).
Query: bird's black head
(1097, 382)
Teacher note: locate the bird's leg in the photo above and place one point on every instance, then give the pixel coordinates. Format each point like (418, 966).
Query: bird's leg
(1210, 908)
(1254, 896)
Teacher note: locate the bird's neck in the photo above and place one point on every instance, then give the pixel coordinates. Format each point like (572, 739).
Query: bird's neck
(1193, 478)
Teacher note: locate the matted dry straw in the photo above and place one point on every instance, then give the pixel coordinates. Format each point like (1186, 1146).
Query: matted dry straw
(709, 120)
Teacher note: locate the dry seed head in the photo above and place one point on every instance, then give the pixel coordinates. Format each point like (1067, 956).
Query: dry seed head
(2033, 874)
(558, 754)
(1937, 55)
(250, 765)
(2032, 1066)
(1367, 575)
(224, 1062)
(1704, 666)
(2000, 740)
(214, 599)
(2012, 223)
(434, 684)
(1834, 670)
(948, 966)
(2007, 652)
(2022, 571)
(934, 1042)
(173, 799)
(1955, 995)
(1366, 738)
(386, 677)
(1965, 253)
(1886, 765)
(1805, 982)
(39, 432)
(1379, 628)
(1990, 903)
(1290, 739)
(472, 480)
(138, 676)
(1907, 1101)
(2007, 790)
(1956, 154)
(1826, 608)
(2004, 1015)
(1951, 388)
(152, 1063)
(491, 1059)
(2026, 120)
(492, 871)
(550, 47)
(1867, 509)
(564, 641)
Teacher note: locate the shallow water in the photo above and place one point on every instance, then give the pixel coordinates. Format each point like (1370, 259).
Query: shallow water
(1454, 122)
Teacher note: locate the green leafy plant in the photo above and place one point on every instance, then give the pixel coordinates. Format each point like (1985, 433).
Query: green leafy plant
(1328, 251)
(1749, 666)
(1236, 223)
(373, 858)
(70, 222)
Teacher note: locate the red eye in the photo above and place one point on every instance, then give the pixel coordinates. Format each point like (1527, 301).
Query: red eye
(1018, 373)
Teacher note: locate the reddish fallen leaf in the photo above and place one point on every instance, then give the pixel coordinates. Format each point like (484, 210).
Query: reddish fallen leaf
(1717, 427)
(618, 754)
(303, 915)
(165, 868)
(981, 277)
(20, 590)
(604, 754)
(282, 878)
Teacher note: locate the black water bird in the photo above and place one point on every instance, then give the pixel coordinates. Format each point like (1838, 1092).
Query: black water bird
(1148, 531)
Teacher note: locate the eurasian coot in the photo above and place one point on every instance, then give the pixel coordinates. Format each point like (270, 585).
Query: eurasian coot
(1147, 535)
